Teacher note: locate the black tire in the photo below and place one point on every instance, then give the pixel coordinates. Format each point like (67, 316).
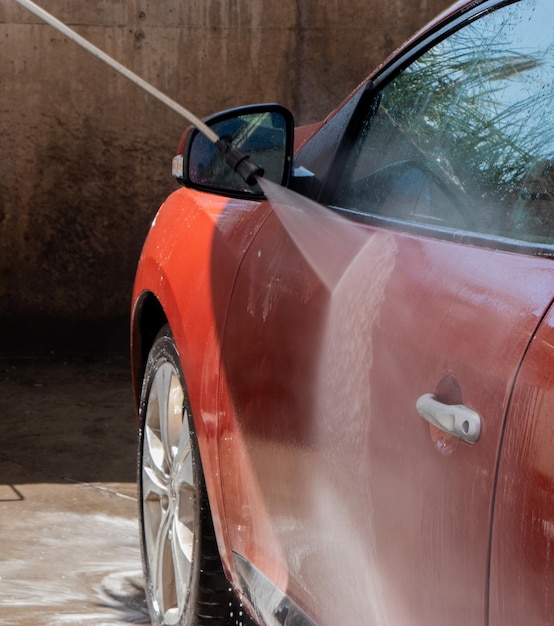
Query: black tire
(184, 579)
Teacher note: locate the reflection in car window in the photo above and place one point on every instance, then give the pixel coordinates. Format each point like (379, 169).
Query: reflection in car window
(464, 137)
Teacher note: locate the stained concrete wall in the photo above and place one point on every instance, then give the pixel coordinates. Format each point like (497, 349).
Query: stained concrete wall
(85, 155)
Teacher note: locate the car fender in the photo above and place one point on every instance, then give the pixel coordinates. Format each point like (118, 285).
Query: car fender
(204, 238)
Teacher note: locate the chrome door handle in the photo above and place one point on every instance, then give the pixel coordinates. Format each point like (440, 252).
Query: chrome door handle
(456, 419)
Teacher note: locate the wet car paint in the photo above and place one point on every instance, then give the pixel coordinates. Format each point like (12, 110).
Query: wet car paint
(206, 225)
(522, 575)
(315, 409)
(269, 464)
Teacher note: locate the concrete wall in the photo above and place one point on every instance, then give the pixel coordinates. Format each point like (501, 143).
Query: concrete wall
(85, 155)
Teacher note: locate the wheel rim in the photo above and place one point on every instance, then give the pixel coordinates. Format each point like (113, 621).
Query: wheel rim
(168, 494)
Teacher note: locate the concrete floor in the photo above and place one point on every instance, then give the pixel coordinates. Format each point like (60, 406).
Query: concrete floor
(68, 510)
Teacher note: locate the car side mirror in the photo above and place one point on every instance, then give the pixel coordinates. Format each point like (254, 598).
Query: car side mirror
(262, 132)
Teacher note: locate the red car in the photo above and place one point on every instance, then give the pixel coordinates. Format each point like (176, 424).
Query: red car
(348, 412)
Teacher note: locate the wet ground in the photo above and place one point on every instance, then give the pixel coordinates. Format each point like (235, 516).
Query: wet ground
(68, 510)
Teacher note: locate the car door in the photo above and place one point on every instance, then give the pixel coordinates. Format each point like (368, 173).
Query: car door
(344, 501)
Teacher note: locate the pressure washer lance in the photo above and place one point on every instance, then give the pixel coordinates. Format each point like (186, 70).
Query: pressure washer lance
(238, 160)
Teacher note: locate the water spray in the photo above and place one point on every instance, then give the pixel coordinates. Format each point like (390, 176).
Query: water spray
(239, 161)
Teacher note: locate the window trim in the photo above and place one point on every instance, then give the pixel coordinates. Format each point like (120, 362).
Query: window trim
(452, 235)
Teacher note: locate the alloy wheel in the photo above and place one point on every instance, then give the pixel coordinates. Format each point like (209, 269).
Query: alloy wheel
(169, 493)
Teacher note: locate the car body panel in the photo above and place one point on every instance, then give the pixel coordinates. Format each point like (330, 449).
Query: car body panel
(188, 264)
(522, 566)
(328, 472)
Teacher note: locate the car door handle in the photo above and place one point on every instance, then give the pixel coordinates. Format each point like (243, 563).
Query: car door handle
(456, 419)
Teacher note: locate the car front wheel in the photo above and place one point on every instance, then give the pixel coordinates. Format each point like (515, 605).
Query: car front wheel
(184, 579)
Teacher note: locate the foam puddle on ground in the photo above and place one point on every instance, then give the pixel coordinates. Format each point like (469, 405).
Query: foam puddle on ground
(71, 567)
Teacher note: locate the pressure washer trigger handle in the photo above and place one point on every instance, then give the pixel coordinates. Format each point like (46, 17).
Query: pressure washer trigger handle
(240, 162)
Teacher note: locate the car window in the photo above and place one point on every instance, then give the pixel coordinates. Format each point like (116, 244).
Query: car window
(463, 138)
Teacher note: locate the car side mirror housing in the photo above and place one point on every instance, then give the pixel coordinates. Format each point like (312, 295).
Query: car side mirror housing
(263, 132)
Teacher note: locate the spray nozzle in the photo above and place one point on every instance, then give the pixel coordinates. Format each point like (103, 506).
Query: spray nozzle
(239, 161)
